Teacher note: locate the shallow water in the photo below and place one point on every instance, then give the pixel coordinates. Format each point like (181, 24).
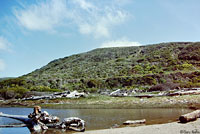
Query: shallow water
(95, 118)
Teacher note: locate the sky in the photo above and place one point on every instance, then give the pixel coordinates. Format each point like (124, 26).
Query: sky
(35, 32)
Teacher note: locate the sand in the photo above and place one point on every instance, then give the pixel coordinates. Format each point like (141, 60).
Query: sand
(169, 128)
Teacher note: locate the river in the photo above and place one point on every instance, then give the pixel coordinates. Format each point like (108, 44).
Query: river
(95, 118)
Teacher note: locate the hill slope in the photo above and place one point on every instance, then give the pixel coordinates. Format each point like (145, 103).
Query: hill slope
(153, 67)
(127, 68)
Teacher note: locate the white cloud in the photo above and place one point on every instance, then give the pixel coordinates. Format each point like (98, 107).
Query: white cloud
(45, 15)
(120, 43)
(2, 65)
(90, 17)
(98, 20)
(4, 44)
(84, 5)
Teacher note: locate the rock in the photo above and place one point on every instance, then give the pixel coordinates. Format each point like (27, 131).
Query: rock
(133, 92)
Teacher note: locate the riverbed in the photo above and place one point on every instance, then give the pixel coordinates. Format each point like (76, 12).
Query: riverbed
(96, 118)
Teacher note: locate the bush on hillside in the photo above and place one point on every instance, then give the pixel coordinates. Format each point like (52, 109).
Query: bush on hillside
(165, 87)
(13, 93)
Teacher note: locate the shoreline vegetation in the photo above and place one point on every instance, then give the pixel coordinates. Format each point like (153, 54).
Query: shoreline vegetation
(94, 101)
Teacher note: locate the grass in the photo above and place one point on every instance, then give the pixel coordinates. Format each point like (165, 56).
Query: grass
(103, 102)
(106, 102)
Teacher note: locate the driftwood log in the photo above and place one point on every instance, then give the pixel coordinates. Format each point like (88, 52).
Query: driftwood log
(147, 95)
(193, 92)
(190, 116)
(29, 122)
(38, 121)
(130, 122)
(71, 123)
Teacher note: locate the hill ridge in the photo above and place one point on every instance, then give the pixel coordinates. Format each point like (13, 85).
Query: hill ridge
(98, 67)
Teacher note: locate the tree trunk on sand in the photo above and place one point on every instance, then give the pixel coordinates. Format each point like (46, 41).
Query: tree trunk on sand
(130, 122)
(190, 116)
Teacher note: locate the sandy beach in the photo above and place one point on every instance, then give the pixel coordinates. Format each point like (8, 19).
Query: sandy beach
(169, 128)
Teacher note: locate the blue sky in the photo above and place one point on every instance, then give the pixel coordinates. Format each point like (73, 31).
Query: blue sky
(35, 32)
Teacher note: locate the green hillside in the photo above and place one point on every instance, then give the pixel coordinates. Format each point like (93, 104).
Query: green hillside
(125, 68)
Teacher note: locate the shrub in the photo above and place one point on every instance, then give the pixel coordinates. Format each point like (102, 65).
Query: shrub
(190, 85)
(12, 83)
(191, 52)
(44, 89)
(138, 69)
(164, 87)
(92, 90)
(150, 80)
(14, 92)
(120, 59)
(196, 79)
(92, 83)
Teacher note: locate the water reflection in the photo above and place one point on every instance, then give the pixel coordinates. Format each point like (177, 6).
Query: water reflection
(54, 131)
